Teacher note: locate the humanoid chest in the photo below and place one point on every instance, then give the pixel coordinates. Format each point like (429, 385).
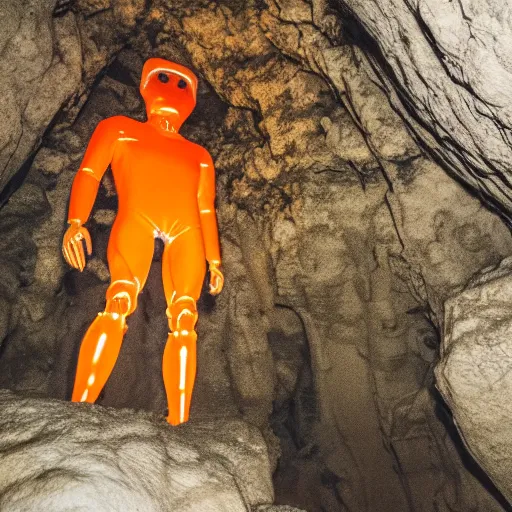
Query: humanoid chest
(143, 154)
(155, 174)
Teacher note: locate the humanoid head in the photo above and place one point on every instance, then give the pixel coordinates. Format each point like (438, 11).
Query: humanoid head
(169, 90)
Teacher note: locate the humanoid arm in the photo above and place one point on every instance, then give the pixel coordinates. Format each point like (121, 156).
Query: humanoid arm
(206, 202)
(84, 190)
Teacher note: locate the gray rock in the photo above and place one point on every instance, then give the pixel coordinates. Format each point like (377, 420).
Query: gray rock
(40, 69)
(447, 68)
(474, 374)
(32, 202)
(61, 457)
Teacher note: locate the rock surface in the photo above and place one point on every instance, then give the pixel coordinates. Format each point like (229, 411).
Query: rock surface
(341, 241)
(40, 69)
(62, 457)
(447, 68)
(475, 371)
(50, 56)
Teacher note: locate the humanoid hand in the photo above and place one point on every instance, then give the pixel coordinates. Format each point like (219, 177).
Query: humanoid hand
(72, 246)
(216, 278)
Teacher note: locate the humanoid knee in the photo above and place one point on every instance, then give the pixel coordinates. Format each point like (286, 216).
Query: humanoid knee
(122, 297)
(182, 314)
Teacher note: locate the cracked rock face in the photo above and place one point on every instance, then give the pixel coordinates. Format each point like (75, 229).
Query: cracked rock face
(474, 372)
(341, 240)
(447, 68)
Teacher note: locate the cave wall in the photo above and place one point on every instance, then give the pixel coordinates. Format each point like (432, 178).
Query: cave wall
(50, 58)
(446, 68)
(474, 371)
(342, 237)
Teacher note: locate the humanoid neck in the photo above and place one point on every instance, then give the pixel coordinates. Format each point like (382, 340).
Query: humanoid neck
(167, 125)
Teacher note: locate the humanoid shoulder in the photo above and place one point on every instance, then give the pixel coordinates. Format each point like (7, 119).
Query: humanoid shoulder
(203, 155)
(113, 128)
(200, 154)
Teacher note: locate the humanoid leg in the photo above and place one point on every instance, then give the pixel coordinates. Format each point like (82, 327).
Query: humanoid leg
(183, 269)
(129, 255)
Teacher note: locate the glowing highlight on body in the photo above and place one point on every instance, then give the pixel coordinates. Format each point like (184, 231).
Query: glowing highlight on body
(183, 367)
(99, 348)
(182, 406)
(167, 109)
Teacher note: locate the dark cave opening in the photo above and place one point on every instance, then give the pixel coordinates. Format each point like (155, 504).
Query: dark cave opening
(298, 476)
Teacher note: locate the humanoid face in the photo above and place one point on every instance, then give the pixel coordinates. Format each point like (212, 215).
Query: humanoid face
(169, 90)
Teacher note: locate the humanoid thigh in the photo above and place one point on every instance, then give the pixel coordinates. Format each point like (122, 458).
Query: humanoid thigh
(183, 265)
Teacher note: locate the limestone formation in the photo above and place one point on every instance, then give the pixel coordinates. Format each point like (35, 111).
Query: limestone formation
(59, 456)
(474, 372)
(446, 68)
(50, 56)
(40, 69)
(342, 238)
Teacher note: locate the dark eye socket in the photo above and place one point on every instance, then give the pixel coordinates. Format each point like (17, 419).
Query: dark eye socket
(182, 84)
(163, 78)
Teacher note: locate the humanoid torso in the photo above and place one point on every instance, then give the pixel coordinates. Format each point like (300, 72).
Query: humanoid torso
(156, 176)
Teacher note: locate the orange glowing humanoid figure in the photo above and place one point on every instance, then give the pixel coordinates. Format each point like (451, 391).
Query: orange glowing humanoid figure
(166, 189)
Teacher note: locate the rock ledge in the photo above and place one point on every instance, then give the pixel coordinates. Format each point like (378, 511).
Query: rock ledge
(62, 456)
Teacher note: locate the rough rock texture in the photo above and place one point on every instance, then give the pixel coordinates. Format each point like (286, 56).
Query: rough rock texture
(275, 508)
(40, 68)
(60, 457)
(474, 374)
(341, 241)
(446, 66)
(49, 58)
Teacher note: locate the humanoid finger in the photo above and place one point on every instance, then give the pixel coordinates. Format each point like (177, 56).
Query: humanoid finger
(217, 281)
(71, 256)
(78, 251)
(215, 285)
(66, 256)
(88, 243)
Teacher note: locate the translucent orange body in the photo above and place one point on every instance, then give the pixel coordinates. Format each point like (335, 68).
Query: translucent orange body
(166, 189)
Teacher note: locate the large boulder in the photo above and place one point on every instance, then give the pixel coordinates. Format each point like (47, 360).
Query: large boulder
(62, 456)
(474, 374)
